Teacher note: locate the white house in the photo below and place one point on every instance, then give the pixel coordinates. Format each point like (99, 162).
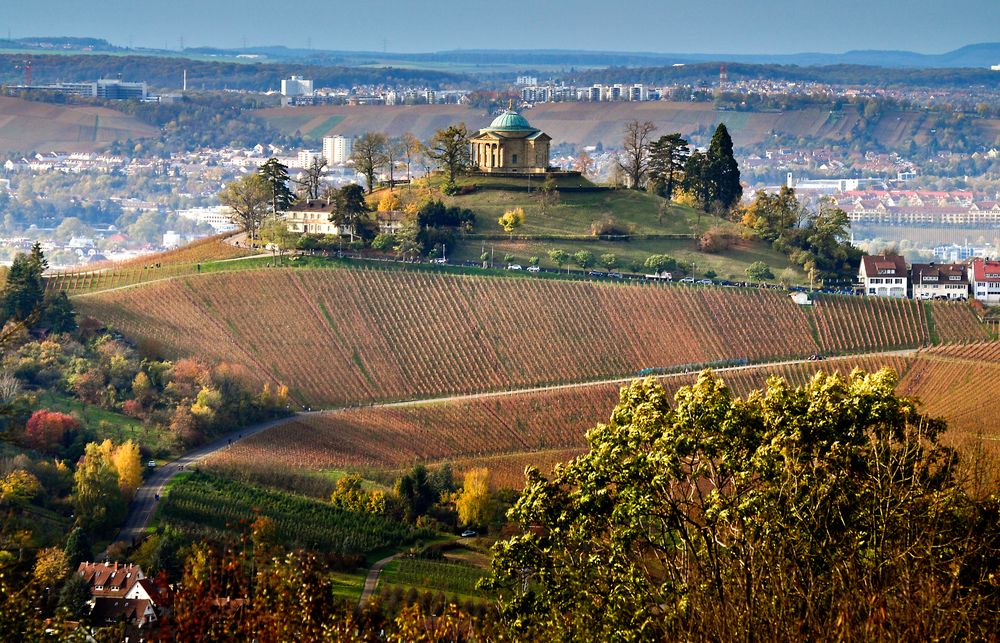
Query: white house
(985, 278)
(884, 276)
(939, 281)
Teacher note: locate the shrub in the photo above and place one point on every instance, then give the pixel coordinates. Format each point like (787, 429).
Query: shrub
(607, 226)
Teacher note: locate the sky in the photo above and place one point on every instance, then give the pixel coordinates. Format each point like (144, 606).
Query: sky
(675, 26)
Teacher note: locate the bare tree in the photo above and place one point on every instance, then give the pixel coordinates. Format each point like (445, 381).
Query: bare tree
(634, 161)
(309, 179)
(394, 151)
(412, 149)
(369, 156)
(584, 163)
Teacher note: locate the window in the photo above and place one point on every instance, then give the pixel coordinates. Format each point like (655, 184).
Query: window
(513, 159)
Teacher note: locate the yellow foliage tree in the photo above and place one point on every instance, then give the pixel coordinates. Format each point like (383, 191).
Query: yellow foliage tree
(50, 567)
(686, 197)
(475, 502)
(128, 465)
(389, 203)
(511, 220)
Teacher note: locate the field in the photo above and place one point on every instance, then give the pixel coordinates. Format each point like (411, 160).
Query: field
(359, 336)
(506, 432)
(28, 126)
(452, 577)
(211, 506)
(590, 123)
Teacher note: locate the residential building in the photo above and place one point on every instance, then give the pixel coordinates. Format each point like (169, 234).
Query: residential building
(109, 580)
(884, 276)
(337, 149)
(219, 217)
(939, 281)
(313, 217)
(985, 278)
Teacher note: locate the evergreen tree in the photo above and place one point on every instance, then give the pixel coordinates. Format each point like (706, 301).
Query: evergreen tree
(275, 174)
(24, 291)
(697, 178)
(351, 211)
(59, 316)
(667, 156)
(77, 548)
(74, 596)
(723, 169)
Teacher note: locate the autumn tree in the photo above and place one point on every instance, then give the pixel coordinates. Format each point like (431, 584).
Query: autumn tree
(46, 430)
(449, 149)
(827, 509)
(634, 160)
(249, 201)
(368, 154)
(98, 501)
(128, 465)
(511, 220)
(278, 237)
(475, 502)
(584, 163)
(393, 152)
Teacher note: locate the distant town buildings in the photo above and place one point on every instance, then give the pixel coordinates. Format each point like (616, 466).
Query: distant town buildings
(337, 149)
(106, 88)
(219, 217)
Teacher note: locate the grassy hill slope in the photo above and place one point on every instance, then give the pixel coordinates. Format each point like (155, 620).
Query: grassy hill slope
(343, 336)
(28, 126)
(590, 123)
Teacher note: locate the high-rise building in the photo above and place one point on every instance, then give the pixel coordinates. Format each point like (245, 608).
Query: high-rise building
(296, 86)
(337, 149)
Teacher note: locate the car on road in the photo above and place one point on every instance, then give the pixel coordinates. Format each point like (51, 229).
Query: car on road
(533, 268)
(687, 280)
(514, 266)
(705, 282)
(440, 260)
(151, 464)
(468, 533)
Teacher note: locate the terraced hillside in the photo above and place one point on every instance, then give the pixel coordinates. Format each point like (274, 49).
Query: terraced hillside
(29, 126)
(506, 432)
(589, 123)
(343, 336)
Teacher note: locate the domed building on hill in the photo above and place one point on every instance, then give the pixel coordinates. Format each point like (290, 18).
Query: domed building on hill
(510, 145)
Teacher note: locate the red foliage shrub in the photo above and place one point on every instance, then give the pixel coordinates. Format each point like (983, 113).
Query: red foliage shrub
(46, 429)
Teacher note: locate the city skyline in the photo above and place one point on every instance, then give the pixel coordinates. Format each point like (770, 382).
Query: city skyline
(679, 26)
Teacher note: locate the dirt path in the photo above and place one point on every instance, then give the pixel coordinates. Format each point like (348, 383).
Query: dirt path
(371, 581)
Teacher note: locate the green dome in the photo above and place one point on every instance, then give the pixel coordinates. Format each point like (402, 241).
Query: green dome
(510, 121)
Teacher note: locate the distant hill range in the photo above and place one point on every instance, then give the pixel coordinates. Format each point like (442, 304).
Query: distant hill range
(982, 55)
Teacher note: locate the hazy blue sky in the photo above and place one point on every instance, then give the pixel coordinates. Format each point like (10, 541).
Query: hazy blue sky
(723, 26)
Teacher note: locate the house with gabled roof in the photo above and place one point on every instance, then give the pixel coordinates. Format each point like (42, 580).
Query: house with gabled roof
(884, 276)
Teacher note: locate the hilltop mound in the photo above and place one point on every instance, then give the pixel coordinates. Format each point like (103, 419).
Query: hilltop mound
(29, 126)
(342, 336)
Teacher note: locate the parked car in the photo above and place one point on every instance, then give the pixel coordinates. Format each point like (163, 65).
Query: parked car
(705, 282)
(615, 275)
(151, 464)
(514, 266)
(687, 280)
(533, 268)
(439, 260)
(468, 533)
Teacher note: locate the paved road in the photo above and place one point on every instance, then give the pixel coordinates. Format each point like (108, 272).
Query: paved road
(372, 579)
(143, 505)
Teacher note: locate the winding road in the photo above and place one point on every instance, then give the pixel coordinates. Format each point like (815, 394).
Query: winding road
(143, 505)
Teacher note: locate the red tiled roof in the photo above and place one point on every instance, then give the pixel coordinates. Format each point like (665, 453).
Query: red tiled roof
(109, 579)
(985, 270)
